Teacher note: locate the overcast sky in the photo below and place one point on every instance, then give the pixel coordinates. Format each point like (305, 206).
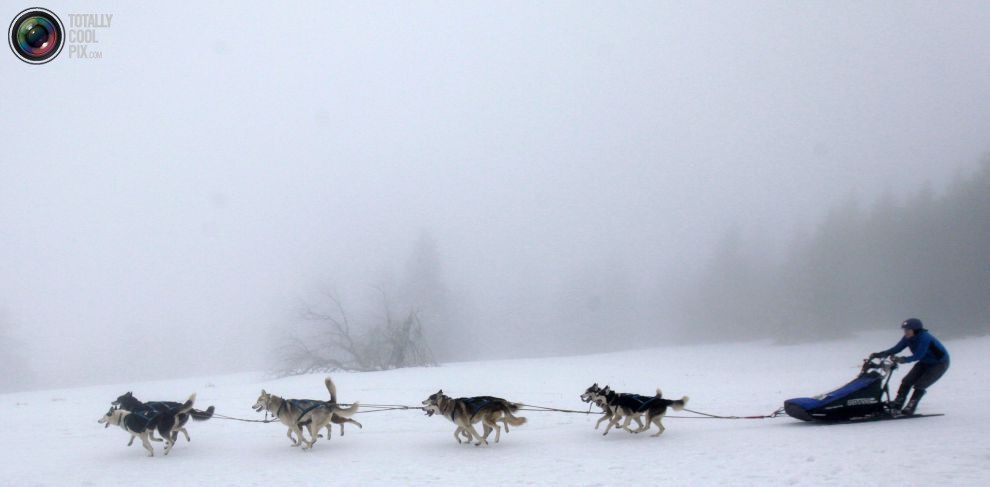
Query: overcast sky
(170, 203)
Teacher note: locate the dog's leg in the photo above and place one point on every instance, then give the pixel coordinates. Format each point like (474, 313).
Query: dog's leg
(486, 429)
(500, 415)
(300, 431)
(147, 444)
(169, 440)
(295, 429)
(474, 434)
(657, 421)
(615, 420)
(639, 424)
(625, 424)
(314, 431)
(184, 432)
(505, 423)
(498, 431)
(129, 443)
(646, 426)
(603, 418)
(461, 431)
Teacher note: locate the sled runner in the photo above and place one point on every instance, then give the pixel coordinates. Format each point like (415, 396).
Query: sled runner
(882, 417)
(859, 400)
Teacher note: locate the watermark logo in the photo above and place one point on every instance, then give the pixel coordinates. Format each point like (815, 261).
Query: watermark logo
(82, 35)
(36, 36)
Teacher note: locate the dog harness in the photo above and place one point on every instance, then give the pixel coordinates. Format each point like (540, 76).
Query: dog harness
(305, 405)
(476, 404)
(146, 416)
(163, 406)
(641, 403)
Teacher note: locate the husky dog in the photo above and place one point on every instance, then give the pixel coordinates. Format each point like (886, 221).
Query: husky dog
(141, 424)
(631, 406)
(466, 411)
(296, 413)
(597, 395)
(130, 403)
(336, 418)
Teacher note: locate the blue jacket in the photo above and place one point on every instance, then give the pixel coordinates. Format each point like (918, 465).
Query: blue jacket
(924, 347)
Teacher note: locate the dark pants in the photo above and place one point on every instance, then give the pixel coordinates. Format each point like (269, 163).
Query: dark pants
(922, 376)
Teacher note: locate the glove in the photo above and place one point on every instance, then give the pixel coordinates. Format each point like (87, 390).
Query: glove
(897, 360)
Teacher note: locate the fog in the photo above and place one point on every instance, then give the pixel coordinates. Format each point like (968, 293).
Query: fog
(568, 168)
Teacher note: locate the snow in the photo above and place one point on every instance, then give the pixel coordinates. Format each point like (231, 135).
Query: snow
(52, 437)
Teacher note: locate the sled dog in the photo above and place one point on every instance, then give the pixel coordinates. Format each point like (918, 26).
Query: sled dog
(296, 413)
(336, 418)
(140, 424)
(130, 403)
(631, 406)
(466, 411)
(597, 395)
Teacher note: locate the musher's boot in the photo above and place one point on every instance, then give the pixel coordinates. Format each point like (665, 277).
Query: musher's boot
(898, 402)
(913, 403)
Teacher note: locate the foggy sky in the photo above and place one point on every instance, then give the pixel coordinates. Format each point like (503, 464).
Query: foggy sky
(163, 210)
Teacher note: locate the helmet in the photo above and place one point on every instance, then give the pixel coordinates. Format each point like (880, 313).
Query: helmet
(912, 324)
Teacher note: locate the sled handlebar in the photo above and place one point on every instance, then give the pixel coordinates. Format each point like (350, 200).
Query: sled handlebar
(883, 363)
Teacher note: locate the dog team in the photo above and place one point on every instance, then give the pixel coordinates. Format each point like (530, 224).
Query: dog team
(143, 419)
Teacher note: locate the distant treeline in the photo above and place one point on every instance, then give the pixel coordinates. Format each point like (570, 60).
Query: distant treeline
(916, 255)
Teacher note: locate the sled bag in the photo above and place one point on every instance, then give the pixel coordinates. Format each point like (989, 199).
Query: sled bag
(861, 397)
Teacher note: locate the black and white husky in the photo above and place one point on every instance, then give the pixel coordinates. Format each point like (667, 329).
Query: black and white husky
(625, 408)
(597, 395)
(466, 411)
(130, 403)
(140, 424)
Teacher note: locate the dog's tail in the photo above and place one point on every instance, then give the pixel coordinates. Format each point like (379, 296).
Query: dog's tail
(188, 405)
(201, 415)
(514, 420)
(679, 404)
(659, 394)
(346, 412)
(331, 388)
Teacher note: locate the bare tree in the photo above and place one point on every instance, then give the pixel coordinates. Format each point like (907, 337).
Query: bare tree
(337, 344)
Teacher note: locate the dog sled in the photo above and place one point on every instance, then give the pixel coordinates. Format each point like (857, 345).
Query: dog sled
(860, 400)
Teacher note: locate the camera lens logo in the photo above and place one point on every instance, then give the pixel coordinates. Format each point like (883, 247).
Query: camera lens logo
(36, 36)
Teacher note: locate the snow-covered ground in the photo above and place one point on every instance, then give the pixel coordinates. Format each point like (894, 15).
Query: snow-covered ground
(52, 437)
